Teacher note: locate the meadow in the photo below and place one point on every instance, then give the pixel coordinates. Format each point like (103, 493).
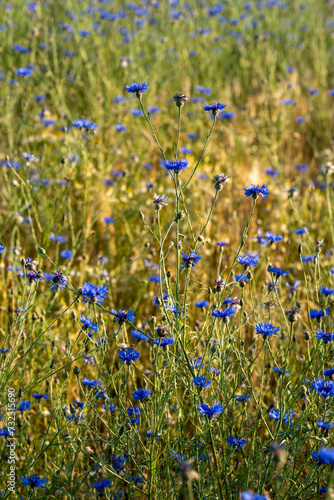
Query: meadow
(167, 250)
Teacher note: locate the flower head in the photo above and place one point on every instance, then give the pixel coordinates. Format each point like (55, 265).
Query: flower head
(159, 201)
(276, 414)
(277, 271)
(214, 108)
(225, 313)
(128, 355)
(100, 485)
(93, 293)
(201, 382)
(87, 324)
(190, 260)
(34, 481)
(219, 181)
(141, 394)
(176, 165)
(122, 316)
(249, 260)
(323, 387)
(137, 88)
(211, 411)
(59, 279)
(326, 337)
(256, 191)
(86, 124)
(266, 329)
(234, 441)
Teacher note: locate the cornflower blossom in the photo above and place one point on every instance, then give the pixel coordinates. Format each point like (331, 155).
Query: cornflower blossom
(266, 329)
(214, 108)
(128, 355)
(33, 481)
(211, 411)
(159, 201)
(234, 441)
(176, 165)
(190, 260)
(93, 293)
(256, 191)
(141, 394)
(123, 316)
(137, 88)
(101, 485)
(202, 382)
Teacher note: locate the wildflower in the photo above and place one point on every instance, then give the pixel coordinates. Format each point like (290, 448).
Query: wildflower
(139, 336)
(325, 425)
(66, 254)
(177, 457)
(315, 314)
(2, 247)
(141, 394)
(33, 481)
(120, 128)
(234, 441)
(93, 293)
(87, 324)
(197, 363)
(273, 237)
(86, 124)
(190, 260)
(5, 432)
(242, 398)
(24, 406)
(202, 304)
(327, 455)
(109, 407)
(211, 411)
(280, 370)
(329, 372)
(325, 290)
(23, 72)
(59, 279)
(323, 387)
(256, 191)
(108, 220)
(248, 260)
(164, 342)
(219, 181)
(266, 329)
(214, 370)
(301, 168)
(241, 278)
(123, 316)
(128, 355)
(38, 397)
(100, 485)
(214, 108)
(275, 414)
(271, 171)
(33, 276)
(248, 495)
(293, 314)
(117, 463)
(326, 337)
(277, 271)
(271, 285)
(202, 382)
(293, 287)
(225, 313)
(301, 231)
(159, 201)
(176, 165)
(137, 88)
(180, 99)
(90, 383)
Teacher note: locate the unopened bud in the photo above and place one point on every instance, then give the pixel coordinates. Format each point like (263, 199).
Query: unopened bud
(41, 251)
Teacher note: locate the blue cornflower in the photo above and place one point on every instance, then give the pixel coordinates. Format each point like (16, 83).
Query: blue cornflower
(90, 383)
(225, 313)
(24, 406)
(234, 441)
(86, 124)
(300, 167)
(109, 220)
(66, 254)
(197, 363)
(164, 342)
(2, 247)
(214, 370)
(247, 495)
(324, 425)
(59, 279)
(93, 293)
(266, 329)
(327, 455)
(301, 231)
(316, 456)
(271, 171)
(139, 336)
(204, 90)
(277, 271)
(249, 260)
(190, 260)
(214, 108)
(156, 279)
(176, 165)
(177, 457)
(79, 403)
(324, 387)
(325, 290)
(280, 370)
(136, 112)
(38, 397)
(128, 355)
(120, 128)
(243, 397)
(109, 407)
(202, 382)
(5, 432)
(122, 316)
(153, 109)
(308, 258)
(315, 314)
(137, 88)
(117, 463)
(33, 481)
(275, 238)
(300, 119)
(211, 411)
(329, 372)
(202, 303)
(134, 410)
(256, 191)
(288, 102)
(141, 394)
(87, 324)
(241, 277)
(275, 414)
(23, 72)
(326, 337)
(100, 485)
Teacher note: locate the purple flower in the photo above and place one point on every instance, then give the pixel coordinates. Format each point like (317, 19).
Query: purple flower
(100, 485)
(277, 271)
(190, 260)
(59, 279)
(249, 260)
(86, 124)
(225, 313)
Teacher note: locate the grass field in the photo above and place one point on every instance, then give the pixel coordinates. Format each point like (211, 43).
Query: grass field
(166, 250)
